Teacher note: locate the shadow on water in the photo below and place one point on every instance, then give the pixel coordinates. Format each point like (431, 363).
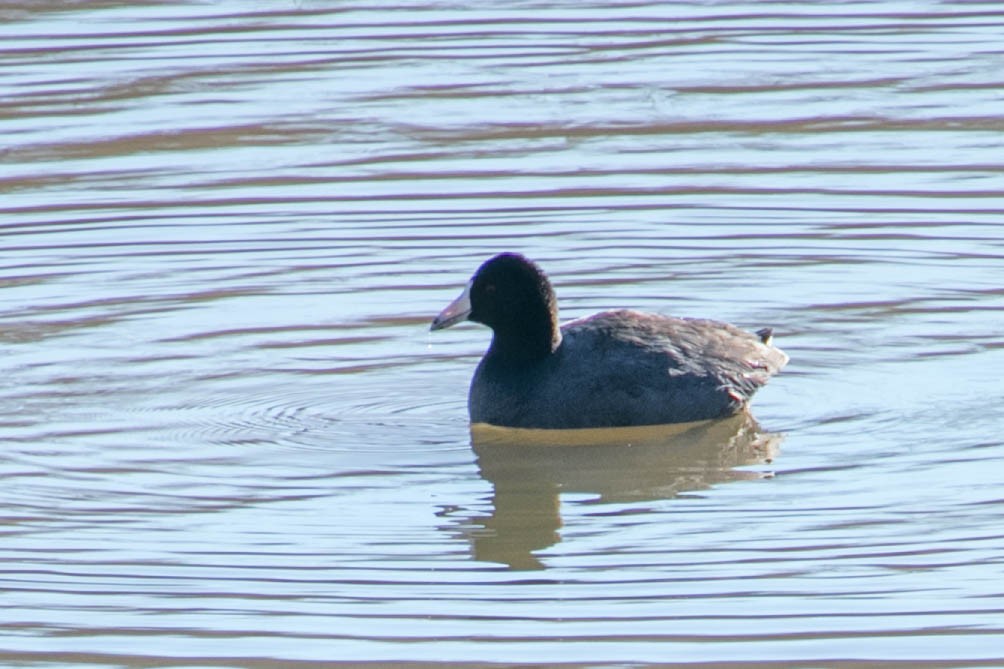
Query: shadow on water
(530, 469)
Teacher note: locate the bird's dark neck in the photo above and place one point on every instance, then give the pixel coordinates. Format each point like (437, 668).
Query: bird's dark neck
(526, 342)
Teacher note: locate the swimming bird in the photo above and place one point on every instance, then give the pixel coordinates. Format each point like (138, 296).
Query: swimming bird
(611, 369)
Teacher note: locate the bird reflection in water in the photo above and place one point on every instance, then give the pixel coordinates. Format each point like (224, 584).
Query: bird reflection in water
(530, 469)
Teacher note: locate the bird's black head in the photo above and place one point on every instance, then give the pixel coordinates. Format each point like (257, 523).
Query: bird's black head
(511, 295)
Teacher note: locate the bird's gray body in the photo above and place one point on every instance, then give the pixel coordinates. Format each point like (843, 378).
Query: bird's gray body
(627, 368)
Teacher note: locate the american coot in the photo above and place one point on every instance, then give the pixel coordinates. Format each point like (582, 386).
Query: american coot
(611, 369)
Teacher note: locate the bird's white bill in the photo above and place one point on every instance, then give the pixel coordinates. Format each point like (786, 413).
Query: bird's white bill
(457, 311)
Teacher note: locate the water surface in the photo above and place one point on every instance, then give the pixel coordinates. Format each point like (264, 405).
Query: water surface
(229, 440)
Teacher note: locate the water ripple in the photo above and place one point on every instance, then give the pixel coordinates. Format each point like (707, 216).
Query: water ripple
(229, 440)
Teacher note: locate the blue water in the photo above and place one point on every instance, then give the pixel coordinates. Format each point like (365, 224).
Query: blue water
(228, 438)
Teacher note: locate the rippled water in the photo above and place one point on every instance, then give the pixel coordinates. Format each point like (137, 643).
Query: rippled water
(228, 439)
